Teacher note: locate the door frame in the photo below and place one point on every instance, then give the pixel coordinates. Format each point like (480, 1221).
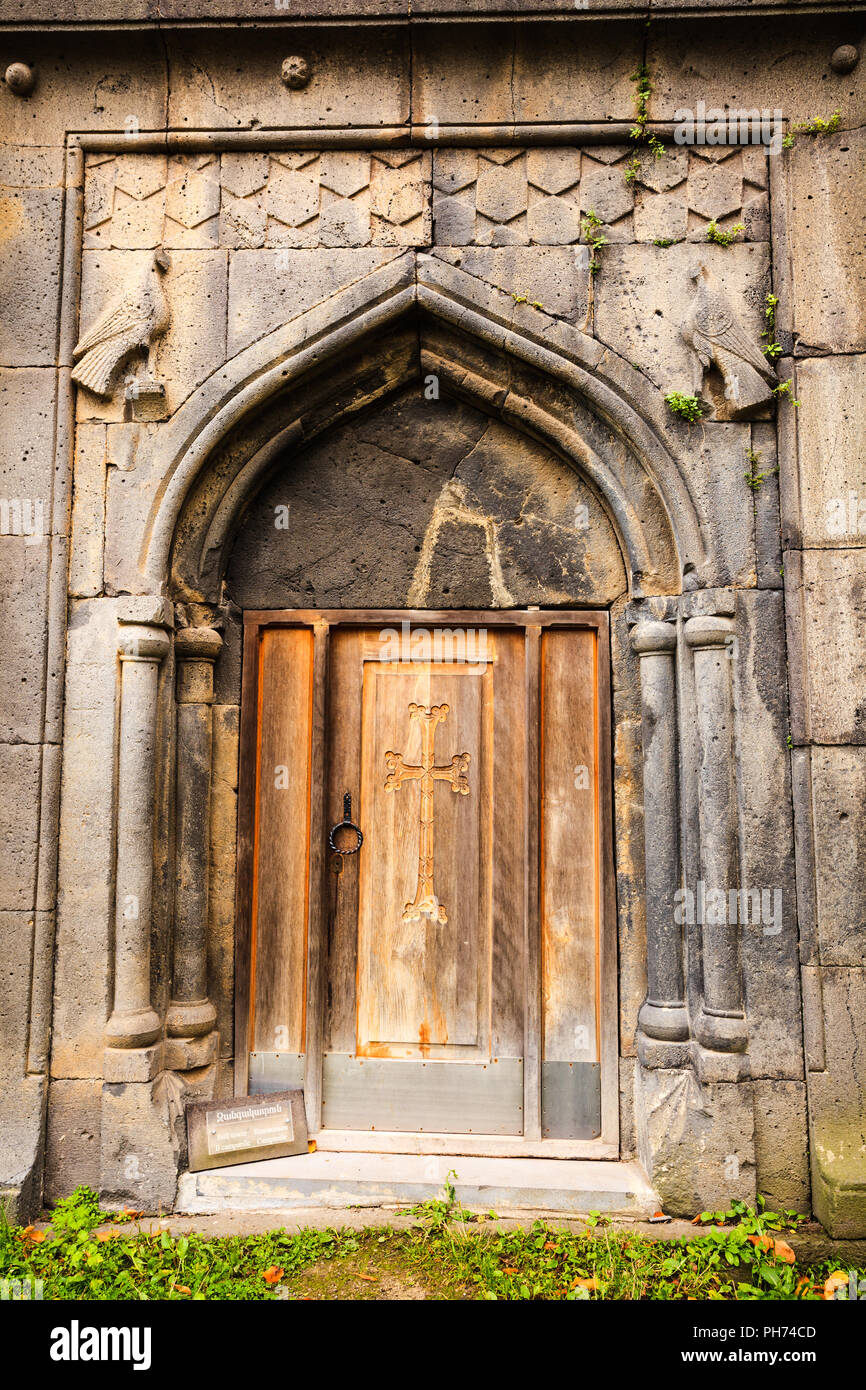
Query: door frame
(534, 621)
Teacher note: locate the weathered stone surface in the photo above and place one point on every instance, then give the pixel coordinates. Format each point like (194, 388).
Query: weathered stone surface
(72, 1141)
(30, 229)
(141, 1140)
(834, 644)
(554, 277)
(88, 512)
(642, 294)
(85, 914)
(19, 824)
(769, 947)
(828, 507)
(828, 230)
(782, 1145)
(430, 543)
(221, 894)
(837, 1105)
(839, 820)
(696, 1142)
(267, 288)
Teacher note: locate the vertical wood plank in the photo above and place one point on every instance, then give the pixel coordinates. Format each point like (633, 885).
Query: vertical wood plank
(608, 1041)
(508, 848)
(570, 893)
(532, 1030)
(318, 894)
(280, 908)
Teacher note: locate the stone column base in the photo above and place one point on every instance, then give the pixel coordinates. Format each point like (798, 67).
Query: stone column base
(143, 1144)
(696, 1142)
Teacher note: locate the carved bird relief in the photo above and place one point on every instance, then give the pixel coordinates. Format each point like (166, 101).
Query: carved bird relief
(714, 332)
(134, 322)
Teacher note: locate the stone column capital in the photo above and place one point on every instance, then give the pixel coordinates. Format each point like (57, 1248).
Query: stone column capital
(197, 644)
(650, 636)
(142, 642)
(708, 631)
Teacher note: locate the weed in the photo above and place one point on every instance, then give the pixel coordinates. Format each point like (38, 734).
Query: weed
(720, 238)
(687, 408)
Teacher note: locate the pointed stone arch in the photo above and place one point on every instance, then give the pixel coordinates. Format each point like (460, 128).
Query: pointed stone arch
(418, 315)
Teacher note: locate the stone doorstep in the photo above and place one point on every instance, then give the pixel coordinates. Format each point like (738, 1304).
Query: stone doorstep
(336, 1180)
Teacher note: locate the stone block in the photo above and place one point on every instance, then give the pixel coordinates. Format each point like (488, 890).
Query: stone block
(88, 511)
(97, 84)
(268, 288)
(839, 826)
(833, 642)
(768, 947)
(20, 765)
(141, 1142)
(72, 1137)
(697, 1143)
(360, 78)
(556, 277)
(827, 235)
(85, 914)
(131, 1063)
(837, 1107)
(782, 1145)
(831, 460)
(24, 577)
(16, 953)
(30, 223)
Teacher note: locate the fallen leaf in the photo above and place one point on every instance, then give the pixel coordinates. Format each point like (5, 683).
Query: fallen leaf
(370, 1278)
(783, 1251)
(763, 1242)
(510, 1269)
(181, 1288)
(589, 1284)
(550, 1245)
(273, 1275)
(108, 1235)
(311, 1146)
(31, 1233)
(837, 1280)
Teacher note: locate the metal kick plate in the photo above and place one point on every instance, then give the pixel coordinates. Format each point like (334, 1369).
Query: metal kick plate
(570, 1100)
(275, 1071)
(422, 1097)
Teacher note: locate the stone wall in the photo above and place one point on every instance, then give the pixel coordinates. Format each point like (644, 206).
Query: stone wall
(477, 149)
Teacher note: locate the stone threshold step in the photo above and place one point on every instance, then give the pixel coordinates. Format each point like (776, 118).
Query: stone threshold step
(339, 1180)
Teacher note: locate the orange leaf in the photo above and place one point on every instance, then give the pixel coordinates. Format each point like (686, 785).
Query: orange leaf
(783, 1251)
(311, 1146)
(273, 1275)
(31, 1233)
(764, 1241)
(510, 1269)
(661, 1213)
(370, 1278)
(181, 1288)
(589, 1284)
(550, 1245)
(837, 1280)
(108, 1235)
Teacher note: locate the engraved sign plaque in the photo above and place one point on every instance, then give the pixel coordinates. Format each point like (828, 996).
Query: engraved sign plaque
(245, 1128)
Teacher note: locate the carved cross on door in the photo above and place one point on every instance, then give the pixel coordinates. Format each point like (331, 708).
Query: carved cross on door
(428, 774)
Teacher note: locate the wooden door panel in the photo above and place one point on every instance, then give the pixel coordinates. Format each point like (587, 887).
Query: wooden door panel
(282, 840)
(423, 938)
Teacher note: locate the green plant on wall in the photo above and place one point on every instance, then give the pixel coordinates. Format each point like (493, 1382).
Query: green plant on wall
(784, 389)
(753, 477)
(771, 348)
(687, 408)
(639, 133)
(720, 238)
(815, 126)
(590, 227)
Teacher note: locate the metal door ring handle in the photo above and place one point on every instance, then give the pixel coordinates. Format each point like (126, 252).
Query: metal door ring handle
(346, 824)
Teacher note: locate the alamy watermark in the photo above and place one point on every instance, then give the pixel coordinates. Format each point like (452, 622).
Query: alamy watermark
(719, 907)
(463, 645)
(723, 126)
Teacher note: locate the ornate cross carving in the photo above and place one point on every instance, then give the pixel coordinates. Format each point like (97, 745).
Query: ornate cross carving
(425, 903)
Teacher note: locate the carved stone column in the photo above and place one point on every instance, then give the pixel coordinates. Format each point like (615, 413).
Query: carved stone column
(191, 1016)
(663, 1019)
(133, 1022)
(721, 1026)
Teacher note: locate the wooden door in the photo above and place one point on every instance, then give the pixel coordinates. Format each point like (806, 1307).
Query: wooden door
(447, 977)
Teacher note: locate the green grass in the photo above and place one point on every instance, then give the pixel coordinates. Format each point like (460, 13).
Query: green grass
(446, 1253)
